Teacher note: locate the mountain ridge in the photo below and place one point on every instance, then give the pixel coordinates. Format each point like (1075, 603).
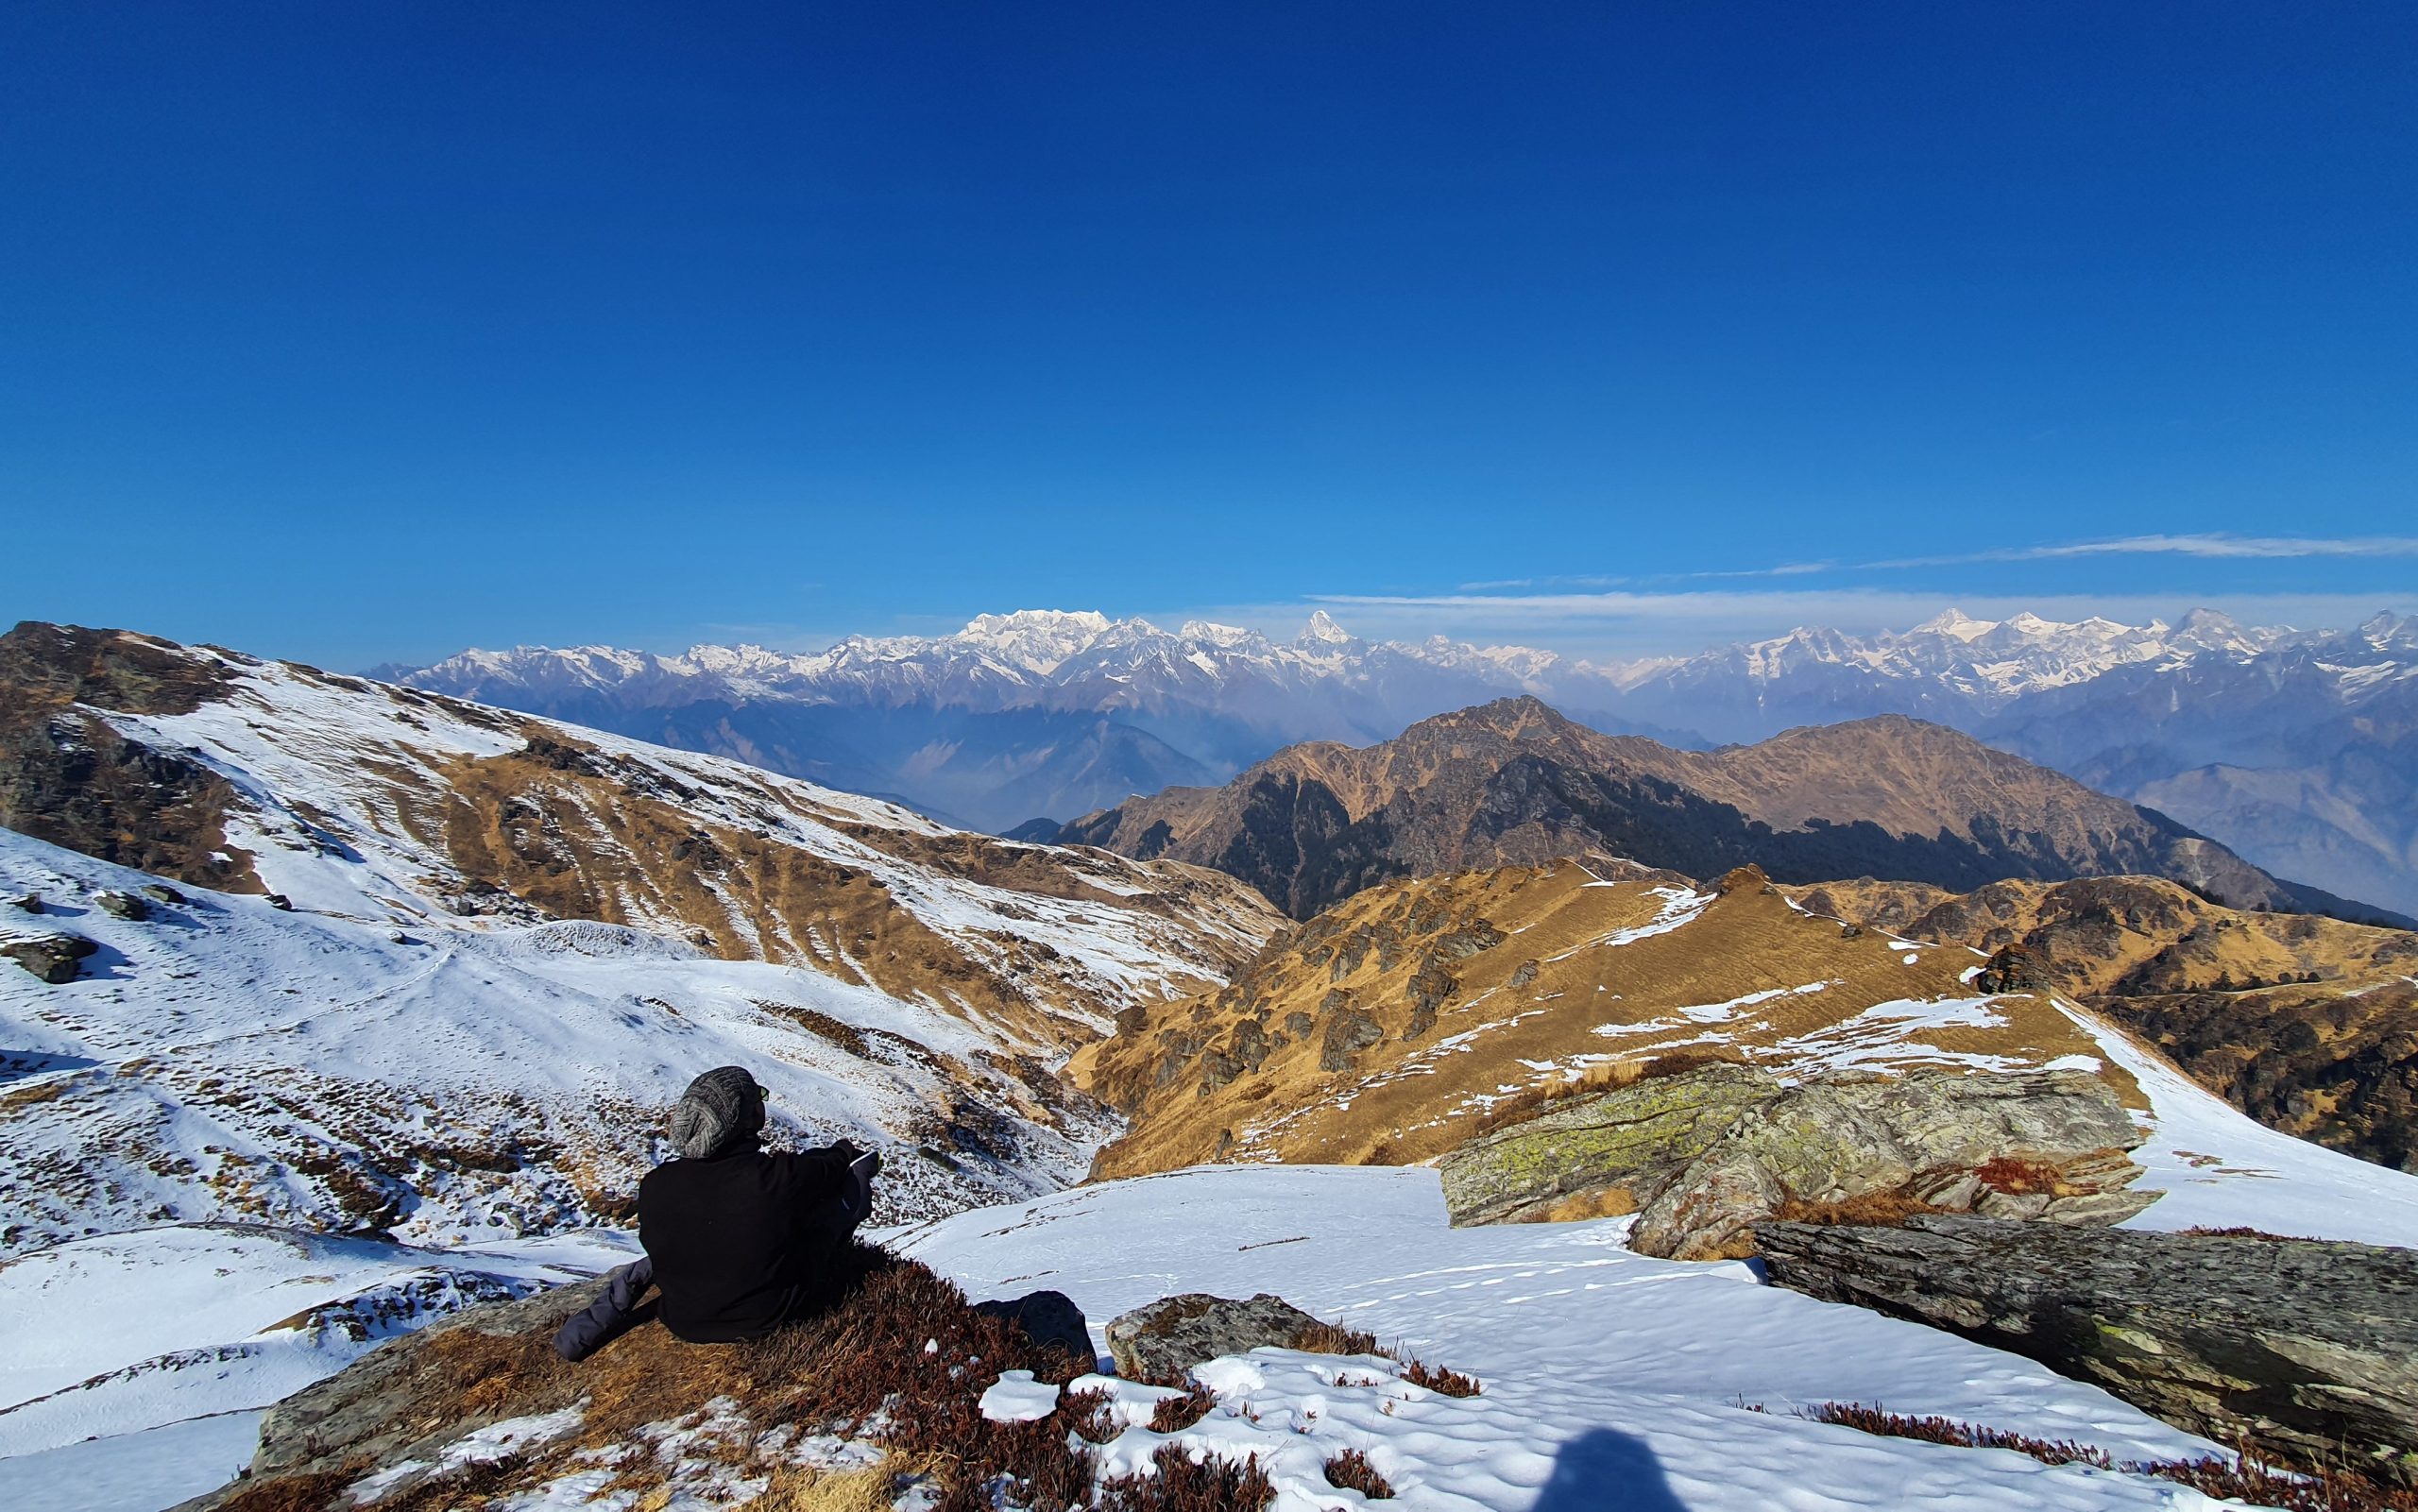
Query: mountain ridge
(2296, 748)
(1516, 783)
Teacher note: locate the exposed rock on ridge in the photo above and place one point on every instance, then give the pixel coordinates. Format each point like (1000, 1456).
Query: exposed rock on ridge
(2308, 1351)
(1701, 1157)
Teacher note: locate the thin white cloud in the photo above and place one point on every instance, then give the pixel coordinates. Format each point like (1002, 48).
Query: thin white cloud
(2236, 547)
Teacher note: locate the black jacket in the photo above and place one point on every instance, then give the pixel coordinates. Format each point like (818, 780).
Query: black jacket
(746, 1241)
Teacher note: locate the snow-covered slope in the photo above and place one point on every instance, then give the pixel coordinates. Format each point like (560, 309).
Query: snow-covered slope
(1611, 1379)
(226, 1060)
(382, 804)
(458, 960)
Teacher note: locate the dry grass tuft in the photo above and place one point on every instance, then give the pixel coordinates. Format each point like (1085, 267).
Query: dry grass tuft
(1537, 1101)
(2239, 1232)
(1869, 1210)
(1334, 1338)
(1173, 1415)
(2017, 1176)
(1438, 1378)
(293, 1493)
(1352, 1472)
(1183, 1484)
(794, 1489)
(2249, 1479)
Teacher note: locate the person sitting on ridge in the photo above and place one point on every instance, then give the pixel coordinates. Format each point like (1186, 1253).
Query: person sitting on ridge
(739, 1239)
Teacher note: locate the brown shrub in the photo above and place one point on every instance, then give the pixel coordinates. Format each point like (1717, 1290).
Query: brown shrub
(832, 1373)
(1869, 1210)
(2016, 1176)
(2246, 1479)
(1183, 1484)
(1334, 1338)
(1175, 1414)
(1090, 1415)
(1438, 1378)
(2240, 1233)
(1352, 1472)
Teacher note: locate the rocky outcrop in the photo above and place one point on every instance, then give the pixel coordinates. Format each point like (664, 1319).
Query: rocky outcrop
(71, 777)
(51, 957)
(1703, 1156)
(389, 1407)
(1163, 1340)
(2307, 1350)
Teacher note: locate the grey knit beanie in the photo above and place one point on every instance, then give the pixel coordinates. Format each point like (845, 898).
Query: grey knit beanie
(720, 1109)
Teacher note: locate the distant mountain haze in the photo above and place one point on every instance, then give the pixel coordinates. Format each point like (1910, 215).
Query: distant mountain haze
(2291, 748)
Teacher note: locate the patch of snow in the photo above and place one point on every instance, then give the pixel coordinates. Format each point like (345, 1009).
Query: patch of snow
(2220, 1169)
(1016, 1397)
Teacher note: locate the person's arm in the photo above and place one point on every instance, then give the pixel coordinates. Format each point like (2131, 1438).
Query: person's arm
(840, 1170)
(583, 1334)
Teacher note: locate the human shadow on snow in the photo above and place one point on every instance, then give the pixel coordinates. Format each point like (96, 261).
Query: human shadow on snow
(1601, 1470)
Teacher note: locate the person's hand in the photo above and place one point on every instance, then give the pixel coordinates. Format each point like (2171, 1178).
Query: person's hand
(846, 1149)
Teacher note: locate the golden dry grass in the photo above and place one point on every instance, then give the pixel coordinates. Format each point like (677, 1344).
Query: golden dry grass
(1554, 1007)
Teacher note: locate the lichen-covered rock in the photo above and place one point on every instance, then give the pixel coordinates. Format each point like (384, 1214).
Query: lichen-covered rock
(51, 957)
(1703, 1155)
(2306, 1349)
(1632, 1139)
(1160, 1341)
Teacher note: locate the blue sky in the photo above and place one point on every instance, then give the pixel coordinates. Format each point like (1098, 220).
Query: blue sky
(355, 333)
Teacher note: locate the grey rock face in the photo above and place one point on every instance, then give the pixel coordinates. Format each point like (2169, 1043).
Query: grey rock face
(376, 1410)
(1702, 1156)
(1163, 1340)
(123, 905)
(51, 957)
(2306, 1350)
(1635, 1138)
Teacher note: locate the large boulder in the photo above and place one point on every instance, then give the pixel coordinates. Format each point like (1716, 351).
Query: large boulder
(1703, 1155)
(1159, 1342)
(378, 1409)
(1051, 1320)
(51, 957)
(2307, 1351)
(1607, 1153)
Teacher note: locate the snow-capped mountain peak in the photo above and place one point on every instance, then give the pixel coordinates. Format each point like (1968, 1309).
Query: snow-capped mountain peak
(1322, 630)
(1955, 623)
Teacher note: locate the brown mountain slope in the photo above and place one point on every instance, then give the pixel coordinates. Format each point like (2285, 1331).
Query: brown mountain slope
(2307, 1025)
(1514, 783)
(1384, 1028)
(231, 773)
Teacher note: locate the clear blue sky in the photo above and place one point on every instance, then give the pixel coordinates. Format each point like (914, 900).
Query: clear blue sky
(354, 332)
